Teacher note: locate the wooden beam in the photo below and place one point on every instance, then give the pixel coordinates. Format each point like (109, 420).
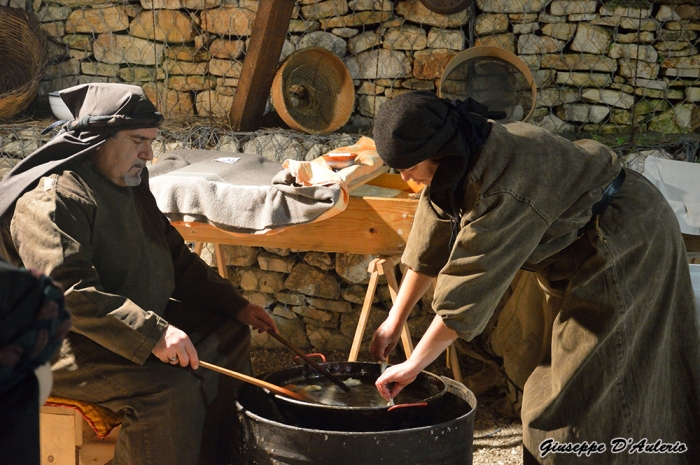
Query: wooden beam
(366, 307)
(260, 64)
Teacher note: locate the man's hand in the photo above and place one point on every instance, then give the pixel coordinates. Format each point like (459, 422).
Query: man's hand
(256, 316)
(175, 348)
(385, 339)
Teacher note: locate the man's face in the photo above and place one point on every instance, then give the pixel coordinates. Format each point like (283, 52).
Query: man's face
(124, 155)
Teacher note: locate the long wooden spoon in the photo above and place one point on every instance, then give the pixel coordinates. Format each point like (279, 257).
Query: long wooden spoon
(310, 361)
(257, 382)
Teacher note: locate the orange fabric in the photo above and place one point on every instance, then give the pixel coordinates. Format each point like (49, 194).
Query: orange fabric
(317, 172)
(102, 420)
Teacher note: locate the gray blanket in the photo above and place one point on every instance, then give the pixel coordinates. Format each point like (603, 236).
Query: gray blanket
(251, 195)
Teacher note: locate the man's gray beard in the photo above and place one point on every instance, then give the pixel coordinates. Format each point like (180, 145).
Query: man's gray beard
(132, 181)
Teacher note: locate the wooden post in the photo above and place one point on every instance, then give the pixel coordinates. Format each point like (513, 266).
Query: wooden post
(387, 269)
(366, 307)
(260, 64)
(198, 247)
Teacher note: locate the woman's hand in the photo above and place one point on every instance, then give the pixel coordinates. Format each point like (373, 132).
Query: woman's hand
(175, 347)
(395, 378)
(257, 317)
(413, 286)
(435, 340)
(385, 338)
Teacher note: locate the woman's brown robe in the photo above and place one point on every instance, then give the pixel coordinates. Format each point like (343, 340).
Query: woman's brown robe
(624, 360)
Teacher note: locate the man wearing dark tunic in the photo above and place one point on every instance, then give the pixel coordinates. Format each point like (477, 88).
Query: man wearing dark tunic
(145, 308)
(623, 365)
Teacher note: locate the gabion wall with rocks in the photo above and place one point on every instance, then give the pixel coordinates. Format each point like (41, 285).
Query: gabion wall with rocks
(601, 66)
(314, 297)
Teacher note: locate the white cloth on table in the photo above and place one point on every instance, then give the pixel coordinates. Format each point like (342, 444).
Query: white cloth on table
(679, 182)
(239, 197)
(249, 194)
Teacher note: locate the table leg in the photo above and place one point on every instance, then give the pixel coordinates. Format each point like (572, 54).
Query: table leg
(220, 261)
(386, 267)
(366, 307)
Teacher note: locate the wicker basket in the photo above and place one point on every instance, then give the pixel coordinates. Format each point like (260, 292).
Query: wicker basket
(313, 91)
(494, 77)
(23, 54)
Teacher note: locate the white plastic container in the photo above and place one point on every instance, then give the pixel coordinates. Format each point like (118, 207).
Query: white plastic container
(59, 108)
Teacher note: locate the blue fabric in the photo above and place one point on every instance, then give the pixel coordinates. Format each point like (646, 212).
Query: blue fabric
(31, 329)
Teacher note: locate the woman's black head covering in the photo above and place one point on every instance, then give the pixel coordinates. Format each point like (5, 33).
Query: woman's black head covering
(412, 127)
(415, 126)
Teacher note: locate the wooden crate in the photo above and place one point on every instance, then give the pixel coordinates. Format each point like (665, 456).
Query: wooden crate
(67, 439)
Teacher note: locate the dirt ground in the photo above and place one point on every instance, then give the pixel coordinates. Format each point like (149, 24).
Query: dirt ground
(497, 440)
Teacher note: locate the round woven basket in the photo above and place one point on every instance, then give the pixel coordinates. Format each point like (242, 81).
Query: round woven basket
(313, 91)
(23, 54)
(494, 77)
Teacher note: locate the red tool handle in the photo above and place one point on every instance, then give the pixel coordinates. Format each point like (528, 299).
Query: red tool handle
(415, 404)
(298, 360)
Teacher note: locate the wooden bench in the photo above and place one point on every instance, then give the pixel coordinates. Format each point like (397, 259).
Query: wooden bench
(76, 433)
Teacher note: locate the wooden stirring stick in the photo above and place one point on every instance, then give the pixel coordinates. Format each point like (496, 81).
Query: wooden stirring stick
(258, 382)
(310, 361)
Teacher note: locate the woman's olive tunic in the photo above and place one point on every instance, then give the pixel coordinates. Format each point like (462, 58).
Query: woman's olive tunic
(624, 360)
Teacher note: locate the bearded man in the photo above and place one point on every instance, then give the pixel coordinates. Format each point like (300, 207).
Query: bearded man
(145, 308)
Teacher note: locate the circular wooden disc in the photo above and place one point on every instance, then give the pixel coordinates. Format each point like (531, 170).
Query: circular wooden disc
(313, 91)
(446, 7)
(518, 86)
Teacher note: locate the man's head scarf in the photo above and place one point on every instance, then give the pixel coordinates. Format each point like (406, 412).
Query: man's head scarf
(100, 109)
(416, 126)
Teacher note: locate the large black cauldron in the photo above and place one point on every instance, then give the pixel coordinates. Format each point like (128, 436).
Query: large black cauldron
(361, 413)
(268, 439)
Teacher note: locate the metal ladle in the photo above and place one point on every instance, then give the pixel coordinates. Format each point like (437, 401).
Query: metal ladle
(310, 361)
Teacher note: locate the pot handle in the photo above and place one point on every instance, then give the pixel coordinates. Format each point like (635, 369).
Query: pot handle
(298, 360)
(415, 404)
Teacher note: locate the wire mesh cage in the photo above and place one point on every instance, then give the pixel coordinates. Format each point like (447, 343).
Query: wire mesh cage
(23, 53)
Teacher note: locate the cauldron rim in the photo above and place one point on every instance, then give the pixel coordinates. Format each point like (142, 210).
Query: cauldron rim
(453, 387)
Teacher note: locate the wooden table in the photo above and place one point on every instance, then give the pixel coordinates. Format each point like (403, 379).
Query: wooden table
(368, 226)
(692, 246)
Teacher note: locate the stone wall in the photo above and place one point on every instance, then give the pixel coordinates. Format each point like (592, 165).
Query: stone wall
(601, 66)
(604, 66)
(314, 297)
